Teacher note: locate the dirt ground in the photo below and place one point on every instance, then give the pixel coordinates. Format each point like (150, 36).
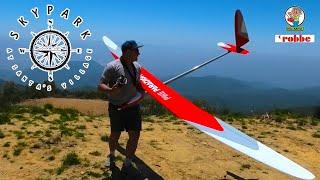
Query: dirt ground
(168, 148)
(86, 106)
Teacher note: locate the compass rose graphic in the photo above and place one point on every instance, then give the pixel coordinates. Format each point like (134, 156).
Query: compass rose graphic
(50, 50)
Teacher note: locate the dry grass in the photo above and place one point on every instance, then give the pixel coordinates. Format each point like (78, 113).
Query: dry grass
(174, 151)
(89, 107)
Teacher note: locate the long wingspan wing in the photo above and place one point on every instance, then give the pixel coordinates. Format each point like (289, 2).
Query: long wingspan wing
(214, 127)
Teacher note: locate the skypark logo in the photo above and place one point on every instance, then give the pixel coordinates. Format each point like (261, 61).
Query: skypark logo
(50, 50)
(294, 38)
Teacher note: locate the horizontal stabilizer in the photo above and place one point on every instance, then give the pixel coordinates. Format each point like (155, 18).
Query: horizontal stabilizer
(233, 48)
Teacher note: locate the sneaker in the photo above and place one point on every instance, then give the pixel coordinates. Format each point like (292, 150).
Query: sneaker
(110, 161)
(132, 171)
(127, 165)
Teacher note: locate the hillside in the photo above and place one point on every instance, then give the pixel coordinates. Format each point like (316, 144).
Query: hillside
(38, 143)
(244, 96)
(220, 92)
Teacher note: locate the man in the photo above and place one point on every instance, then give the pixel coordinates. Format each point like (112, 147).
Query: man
(120, 80)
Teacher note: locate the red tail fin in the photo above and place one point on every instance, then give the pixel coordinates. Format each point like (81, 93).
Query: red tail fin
(241, 33)
(241, 36)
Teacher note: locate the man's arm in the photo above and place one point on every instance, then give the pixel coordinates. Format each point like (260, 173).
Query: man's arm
(106, 88)
(104, 84)
(103, 87)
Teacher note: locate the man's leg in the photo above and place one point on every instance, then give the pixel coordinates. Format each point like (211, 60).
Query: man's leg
(133, 126)
(113, 141)
(132, 144)
(117, 126)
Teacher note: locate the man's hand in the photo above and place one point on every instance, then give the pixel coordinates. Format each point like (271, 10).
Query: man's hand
(111, 90)
(115, 89)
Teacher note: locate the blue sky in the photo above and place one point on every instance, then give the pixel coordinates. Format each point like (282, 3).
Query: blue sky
(184, 32)
(195, 23)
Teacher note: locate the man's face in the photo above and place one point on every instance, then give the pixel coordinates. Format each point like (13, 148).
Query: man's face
(133, 54)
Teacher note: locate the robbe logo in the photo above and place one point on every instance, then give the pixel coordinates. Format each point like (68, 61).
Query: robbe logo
(50, 49)
(294, 17)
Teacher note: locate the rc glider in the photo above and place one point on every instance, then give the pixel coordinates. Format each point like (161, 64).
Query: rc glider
(185, 110)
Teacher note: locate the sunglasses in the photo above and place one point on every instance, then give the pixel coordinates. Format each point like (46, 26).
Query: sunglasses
(136, 50)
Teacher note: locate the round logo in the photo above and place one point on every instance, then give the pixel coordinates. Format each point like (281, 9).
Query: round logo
(294, 16)
(50, 49)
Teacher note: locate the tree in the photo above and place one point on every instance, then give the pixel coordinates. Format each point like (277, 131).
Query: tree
(11, 93)
(317, 112)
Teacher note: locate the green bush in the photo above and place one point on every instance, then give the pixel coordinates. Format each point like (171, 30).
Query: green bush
(79, 134)
(17, 151)
(314, 121)
(64, 130)
(316, 134)
(94, 174)
(7, 144)
(71, 159)
(51, 158)
(60, 169)
(81, 127)
(67, 114)
(18, 148)
(279, 118)
(205, 106)
(38, 110)
(48, 106)
(105, 138)
(4, 118)
(95, 153)
(19, 134)
(301, 122)
(1, 135)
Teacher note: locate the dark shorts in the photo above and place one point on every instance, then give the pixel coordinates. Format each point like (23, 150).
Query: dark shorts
(128, 119)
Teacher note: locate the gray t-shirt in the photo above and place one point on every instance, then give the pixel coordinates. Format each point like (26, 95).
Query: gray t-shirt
(112, 72)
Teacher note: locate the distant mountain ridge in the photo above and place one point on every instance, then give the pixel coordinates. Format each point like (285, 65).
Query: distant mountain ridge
(244, 96)
(1, 82)
(220, 92)
(89, 79)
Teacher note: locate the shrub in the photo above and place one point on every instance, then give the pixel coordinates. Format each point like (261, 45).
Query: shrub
(48, 106)
(7, 144)
(70, 159)
(4, 118)
(105, 138)
(1, 135)
(95, 153)
(19, 147)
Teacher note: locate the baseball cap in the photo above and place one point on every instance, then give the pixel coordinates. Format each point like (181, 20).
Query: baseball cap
(130, 45)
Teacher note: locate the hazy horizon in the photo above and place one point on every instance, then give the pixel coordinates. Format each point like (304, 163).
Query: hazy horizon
(175, 43)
